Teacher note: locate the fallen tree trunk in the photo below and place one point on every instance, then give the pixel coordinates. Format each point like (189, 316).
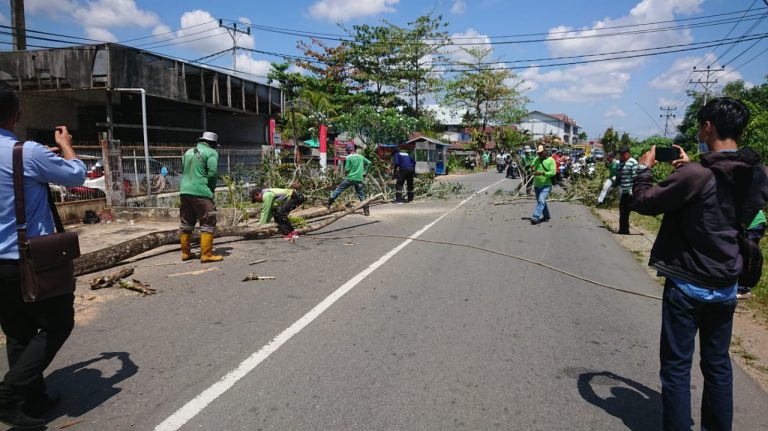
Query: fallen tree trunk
(108, 257)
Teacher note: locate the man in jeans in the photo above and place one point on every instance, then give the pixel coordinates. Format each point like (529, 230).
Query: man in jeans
(356, 166)
(544, 170)
(696, 250)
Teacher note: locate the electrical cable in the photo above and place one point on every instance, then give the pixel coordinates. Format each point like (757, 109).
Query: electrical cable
(488, 250)
(345, 37)
(746, 33)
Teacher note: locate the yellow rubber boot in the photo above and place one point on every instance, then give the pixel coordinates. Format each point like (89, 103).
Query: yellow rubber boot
(206, 249)
(185, 239)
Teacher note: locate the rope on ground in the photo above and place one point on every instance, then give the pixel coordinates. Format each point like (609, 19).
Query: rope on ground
(501, 253)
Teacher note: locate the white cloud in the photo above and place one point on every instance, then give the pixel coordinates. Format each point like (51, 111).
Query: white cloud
(342, 10)
(101, 34)
(615, 112)
(4, 20)
(163, 32)
(594, 81)
(459, 7)
(663, 101)
(681, 72)
(51, 8)
(252, 66)
(114, 13)
(244, 20)
(204, 35)
(463, 41)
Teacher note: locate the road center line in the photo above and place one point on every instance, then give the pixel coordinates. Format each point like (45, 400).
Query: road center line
(200, 402)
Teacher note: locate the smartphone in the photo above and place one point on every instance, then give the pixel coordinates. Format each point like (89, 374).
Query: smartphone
(667, 154)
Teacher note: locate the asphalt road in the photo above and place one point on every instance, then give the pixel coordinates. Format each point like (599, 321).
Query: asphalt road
(376, 333)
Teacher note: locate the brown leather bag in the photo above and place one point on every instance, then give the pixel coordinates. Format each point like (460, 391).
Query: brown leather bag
(45, 262)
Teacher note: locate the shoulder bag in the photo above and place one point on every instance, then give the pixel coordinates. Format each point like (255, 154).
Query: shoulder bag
(45, 262)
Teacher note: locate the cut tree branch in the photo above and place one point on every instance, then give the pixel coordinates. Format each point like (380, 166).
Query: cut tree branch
(111, 256)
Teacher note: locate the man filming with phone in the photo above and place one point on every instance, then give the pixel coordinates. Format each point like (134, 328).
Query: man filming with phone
(35, 331)
(698, 249)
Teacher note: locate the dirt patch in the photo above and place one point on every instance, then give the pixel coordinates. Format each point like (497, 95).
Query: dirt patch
(749, 348)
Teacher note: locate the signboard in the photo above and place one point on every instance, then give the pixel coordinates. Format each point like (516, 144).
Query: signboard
(276, 140)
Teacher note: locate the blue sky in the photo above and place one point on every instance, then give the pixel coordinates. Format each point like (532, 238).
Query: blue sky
(626, 94)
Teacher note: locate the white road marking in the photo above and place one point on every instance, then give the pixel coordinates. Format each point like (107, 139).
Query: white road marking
(200, 402)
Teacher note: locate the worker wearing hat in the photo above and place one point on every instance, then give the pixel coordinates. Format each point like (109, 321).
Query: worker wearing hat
(544, 170)
(198, 185)
(356, 166)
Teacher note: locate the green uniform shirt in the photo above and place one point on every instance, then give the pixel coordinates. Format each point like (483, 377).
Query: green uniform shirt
(270, 197)
(759, 219)
(549, 167)
(613, 169)
(356, 166)
(200, 171)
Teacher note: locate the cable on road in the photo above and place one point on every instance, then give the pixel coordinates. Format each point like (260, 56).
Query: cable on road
(500, 253)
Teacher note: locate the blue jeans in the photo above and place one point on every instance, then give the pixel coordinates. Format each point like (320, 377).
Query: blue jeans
(681, 317)
(541, 203)
(345, 185)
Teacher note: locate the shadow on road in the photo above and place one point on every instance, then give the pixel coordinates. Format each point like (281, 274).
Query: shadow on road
(638, 406)
(84, 388)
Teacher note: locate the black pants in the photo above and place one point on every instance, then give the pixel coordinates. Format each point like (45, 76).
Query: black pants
(281, 214)
(624, 204)
(404, 177)
(34, 334)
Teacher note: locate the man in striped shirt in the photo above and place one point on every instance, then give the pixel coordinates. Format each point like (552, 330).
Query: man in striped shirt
(627, 174)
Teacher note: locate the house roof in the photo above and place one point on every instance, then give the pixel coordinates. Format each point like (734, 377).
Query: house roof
(426, 138)
(560, 117)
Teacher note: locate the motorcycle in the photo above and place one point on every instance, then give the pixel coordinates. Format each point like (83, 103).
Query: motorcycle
(512, 171)
(590, 170)
(500, 166)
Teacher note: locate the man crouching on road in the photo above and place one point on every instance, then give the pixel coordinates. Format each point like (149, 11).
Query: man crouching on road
(286, 200)
(697, 251)
(198, 186)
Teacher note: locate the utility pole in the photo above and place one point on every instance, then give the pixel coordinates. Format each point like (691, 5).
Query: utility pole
(233, 31)
(708, 82)
(668, 116)
(19, 27)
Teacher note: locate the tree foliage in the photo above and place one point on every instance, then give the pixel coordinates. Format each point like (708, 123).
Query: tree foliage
(488, 95)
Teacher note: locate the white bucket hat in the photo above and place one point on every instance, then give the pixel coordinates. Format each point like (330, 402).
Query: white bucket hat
(210, 136)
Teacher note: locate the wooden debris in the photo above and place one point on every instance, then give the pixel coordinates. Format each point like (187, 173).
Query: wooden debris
(258, 261)
(198, 272)
(108, 257)
(253, 276)
(71, 424)
(110, 279)
(137, 286)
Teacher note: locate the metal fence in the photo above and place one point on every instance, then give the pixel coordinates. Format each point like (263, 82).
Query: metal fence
(165, 170)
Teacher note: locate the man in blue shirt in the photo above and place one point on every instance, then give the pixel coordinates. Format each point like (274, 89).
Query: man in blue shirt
(34, 331)
(405, 170)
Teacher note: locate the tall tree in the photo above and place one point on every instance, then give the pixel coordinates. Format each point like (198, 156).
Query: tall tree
(610, 139)
(421, 45)
(373, 57)
(489, 95)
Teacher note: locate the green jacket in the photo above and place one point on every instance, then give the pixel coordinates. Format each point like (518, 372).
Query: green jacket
(549, 167)
(759, 220)
(200, 171)
(270, 198)
(356, 166)
(613, 170)
(528, 159)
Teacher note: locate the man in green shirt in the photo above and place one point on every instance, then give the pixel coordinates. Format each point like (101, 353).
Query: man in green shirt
(610, 182)
(755, 231)
(281, 202)
(528, 159)
(357, 167)
(544, 170)
(198, 185)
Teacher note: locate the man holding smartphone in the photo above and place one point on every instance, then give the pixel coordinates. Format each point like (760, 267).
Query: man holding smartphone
(704, 205)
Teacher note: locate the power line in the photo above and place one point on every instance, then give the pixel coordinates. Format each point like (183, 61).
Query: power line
(345, 37)
(746, 33)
